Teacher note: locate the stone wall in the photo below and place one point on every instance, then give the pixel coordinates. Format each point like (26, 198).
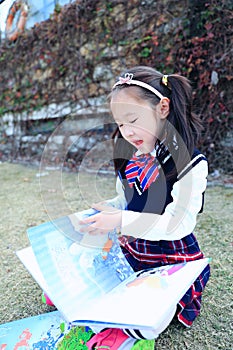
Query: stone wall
(91, 44)
(67, 64)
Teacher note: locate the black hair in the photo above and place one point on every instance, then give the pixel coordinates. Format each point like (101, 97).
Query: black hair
(182, 128)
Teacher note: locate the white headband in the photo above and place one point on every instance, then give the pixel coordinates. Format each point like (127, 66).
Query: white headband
(128, 79)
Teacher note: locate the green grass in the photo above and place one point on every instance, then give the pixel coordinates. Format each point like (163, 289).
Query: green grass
(28, 200)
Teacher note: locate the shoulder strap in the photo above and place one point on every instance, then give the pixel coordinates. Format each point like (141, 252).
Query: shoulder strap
(197, 157)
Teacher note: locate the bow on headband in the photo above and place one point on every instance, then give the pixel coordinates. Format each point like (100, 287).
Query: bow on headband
(126, 79)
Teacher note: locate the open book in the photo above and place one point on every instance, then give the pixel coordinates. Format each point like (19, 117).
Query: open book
(91, 283)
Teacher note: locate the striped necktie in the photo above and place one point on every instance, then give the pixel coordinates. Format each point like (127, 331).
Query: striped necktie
(144, 168)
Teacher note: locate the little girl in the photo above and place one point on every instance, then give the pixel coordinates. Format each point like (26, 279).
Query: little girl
(161, 182)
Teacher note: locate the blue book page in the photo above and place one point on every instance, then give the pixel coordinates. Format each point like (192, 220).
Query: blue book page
(77, 268)
(37, 332)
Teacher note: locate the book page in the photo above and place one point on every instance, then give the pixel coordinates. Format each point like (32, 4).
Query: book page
(44, 331)
(144, 301)
(77, 273)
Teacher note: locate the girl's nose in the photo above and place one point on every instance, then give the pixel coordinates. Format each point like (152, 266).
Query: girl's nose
(128, 130)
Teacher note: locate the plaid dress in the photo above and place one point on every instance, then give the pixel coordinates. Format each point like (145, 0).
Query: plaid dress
(144, 254)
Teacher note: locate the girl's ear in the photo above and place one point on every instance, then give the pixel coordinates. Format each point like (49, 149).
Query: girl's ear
(164, 107)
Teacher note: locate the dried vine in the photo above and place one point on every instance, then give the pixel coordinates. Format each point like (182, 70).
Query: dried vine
(55, 61)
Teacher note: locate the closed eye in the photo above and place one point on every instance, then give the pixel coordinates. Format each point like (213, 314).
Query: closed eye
(133, 121)
(120, 125)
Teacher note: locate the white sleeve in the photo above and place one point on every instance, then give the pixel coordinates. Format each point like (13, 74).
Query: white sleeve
(179, 217)
(119, 201)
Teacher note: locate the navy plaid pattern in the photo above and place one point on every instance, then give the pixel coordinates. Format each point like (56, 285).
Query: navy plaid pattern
(142, 254)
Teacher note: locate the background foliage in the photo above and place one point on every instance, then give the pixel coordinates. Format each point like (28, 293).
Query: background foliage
(56, 61)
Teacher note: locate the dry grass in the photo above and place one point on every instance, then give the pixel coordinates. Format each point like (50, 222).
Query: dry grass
(24, 203)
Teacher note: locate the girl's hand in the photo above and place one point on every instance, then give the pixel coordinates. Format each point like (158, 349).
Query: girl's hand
(108, 219)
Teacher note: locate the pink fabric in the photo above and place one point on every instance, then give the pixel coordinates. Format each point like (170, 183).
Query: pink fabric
(111, 338)
(47, 301)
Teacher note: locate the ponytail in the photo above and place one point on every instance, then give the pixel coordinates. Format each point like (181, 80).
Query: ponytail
(183, 127)
(187, 124)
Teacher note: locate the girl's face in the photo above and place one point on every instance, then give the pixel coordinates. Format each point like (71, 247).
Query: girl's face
(139, 123)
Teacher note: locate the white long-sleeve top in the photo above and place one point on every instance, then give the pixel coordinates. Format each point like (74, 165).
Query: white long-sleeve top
(180, 216)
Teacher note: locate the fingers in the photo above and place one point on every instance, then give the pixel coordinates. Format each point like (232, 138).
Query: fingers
(107, 209)
(91, 227)
(87, 226)
(92, 230)
(87, 221)
(102, 222)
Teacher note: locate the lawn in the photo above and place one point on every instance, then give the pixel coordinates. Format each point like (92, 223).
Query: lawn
(28, 198)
